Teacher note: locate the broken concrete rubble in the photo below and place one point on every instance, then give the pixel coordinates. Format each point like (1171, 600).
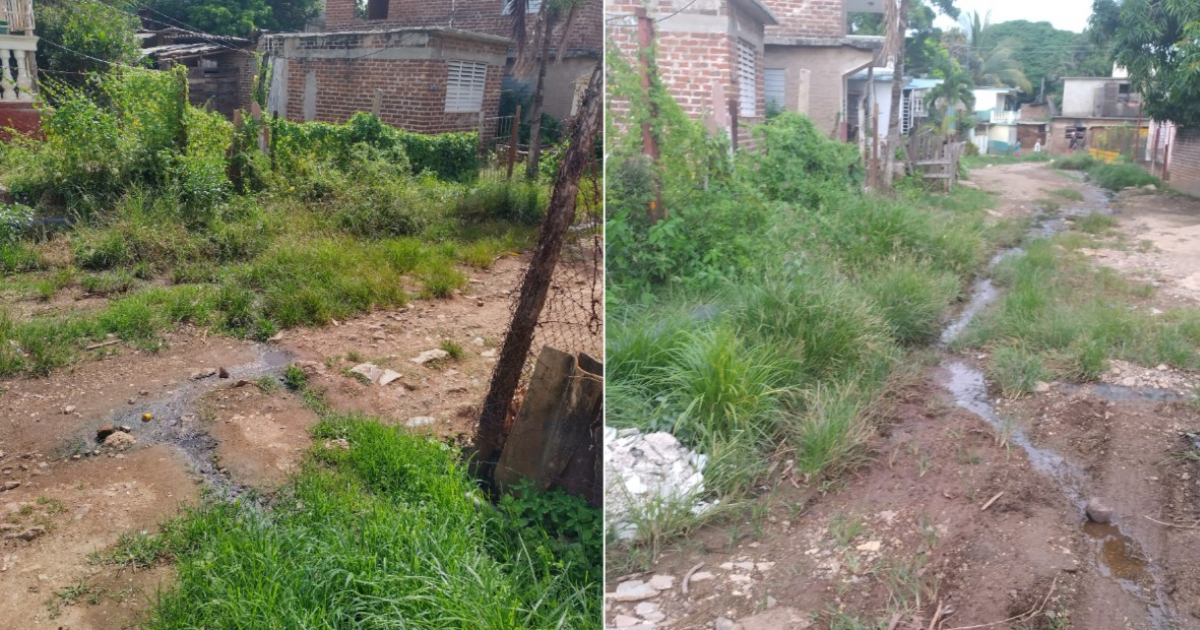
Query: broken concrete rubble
(645, 474)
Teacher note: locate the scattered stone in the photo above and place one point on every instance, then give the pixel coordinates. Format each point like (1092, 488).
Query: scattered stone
(478, 302)
(1099, 511)
(203, 374)
(1041, 387)
(662, 582)
(478, 341)
(10, 485)
(625, 621)
(420, 421)
(633, 591)
(120, 440)
(69, 409)
(104, 431)
(126, 428)
(771, 602)
(764, 566)
(745, 566)
(28, 535)
(872, 546)
(389, 376)
(369, 370)
(701, 576)
(646, 608)
(488, 354)
(723, 624)
(777, 619)
(430, 355)
(222, 373)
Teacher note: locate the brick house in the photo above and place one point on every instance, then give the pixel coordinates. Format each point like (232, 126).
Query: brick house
(220, 69)
(709, 52)
(425, 79)
(811, 56)
(492, 17)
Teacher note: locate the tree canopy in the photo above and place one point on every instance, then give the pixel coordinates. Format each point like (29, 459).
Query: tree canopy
(96, 34)
(1158, 41)
(235, 17)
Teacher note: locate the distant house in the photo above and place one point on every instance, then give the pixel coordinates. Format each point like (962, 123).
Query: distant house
(18, 46)
(583, 49)
(220, 69)
(997, 114)
(710, 52)
(1092, 107)
(860, 99)
(813, 58)
(425, 79)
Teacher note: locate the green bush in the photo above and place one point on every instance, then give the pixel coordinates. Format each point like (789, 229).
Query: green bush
(515, 201)
(799, 164)
(1119, 175)
(451, 156)
(1075, 162)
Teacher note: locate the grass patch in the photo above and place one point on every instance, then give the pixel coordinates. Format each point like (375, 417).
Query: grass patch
(1062, 318)
(454, 349)
(384, 532)
(1070, 194)
(1121, 175)
(1074, 162)
(1095, 223)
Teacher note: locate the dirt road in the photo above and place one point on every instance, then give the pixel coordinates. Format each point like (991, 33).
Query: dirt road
(67, 496)
(972, 513)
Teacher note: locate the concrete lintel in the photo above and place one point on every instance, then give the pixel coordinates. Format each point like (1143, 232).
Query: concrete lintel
(19, 42)
(861, 43)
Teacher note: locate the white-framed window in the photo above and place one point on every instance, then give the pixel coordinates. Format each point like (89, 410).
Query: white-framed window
(776, 87)
(533, 6)
(465, 82)
(747, 79)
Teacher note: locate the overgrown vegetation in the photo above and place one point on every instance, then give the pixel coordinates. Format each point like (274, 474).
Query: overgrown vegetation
(768, 310)
(177, 218)
(1063, 318)
(1113, 176)
(389, 529)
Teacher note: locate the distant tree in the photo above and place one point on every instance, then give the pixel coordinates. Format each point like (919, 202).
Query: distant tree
(955, 88)
(1158, 41)
(980, 48)
(238, 18)
(97, 36)
(924, 39)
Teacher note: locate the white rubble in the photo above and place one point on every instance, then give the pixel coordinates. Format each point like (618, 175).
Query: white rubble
(647, 473)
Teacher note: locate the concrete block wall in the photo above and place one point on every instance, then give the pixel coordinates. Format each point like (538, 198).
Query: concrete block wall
(1185, 161)
(807, 18)
(412, 77)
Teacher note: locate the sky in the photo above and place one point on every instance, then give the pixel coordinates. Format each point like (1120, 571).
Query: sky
(1068, 15)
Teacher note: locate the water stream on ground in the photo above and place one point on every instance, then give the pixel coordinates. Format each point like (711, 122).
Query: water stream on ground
(176, 422)
(1117, 554)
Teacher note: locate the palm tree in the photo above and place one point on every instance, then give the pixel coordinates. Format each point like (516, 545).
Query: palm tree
(955, 88)
(990, 63)
(533, 47)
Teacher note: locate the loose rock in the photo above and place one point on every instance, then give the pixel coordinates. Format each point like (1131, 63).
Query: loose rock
(120, 440)
(633, 591)
(420, 421)
(103, 432)
(27, 535)
(1099, 511)
(430, 355)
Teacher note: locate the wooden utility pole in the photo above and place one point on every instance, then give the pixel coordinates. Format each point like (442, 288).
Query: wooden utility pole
(489, 439)
(897, 31)
(649, 131)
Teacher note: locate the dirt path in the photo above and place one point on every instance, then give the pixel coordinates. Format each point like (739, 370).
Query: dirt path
(974, 506)
(68, 496)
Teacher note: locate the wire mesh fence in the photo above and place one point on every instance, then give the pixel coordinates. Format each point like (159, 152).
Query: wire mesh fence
(545, 399)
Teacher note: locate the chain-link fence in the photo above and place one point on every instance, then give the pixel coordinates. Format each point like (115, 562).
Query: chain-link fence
(559, 306)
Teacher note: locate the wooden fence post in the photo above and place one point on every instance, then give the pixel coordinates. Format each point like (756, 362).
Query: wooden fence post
(512, 142)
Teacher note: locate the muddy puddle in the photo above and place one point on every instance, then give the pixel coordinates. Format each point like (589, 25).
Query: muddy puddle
(1117, 555)
(174, 419)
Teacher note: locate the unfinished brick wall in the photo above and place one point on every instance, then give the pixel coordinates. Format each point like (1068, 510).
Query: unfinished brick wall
(807, 18)
(482, 16)
(1185, 161)
(692, 63)
(413, 89)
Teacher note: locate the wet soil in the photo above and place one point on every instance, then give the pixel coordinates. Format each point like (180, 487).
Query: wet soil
(972, 512)
(197, 432)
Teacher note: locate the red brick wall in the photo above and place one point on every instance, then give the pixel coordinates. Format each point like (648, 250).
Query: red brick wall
(807, 18)
(482, 16)
(21, 117)
(414, 90)
(691, 63)
(1185, 161)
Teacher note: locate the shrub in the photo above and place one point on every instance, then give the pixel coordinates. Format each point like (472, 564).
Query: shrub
(798, 164)
(1120, 175)
(516, 201)
(1075, 162)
